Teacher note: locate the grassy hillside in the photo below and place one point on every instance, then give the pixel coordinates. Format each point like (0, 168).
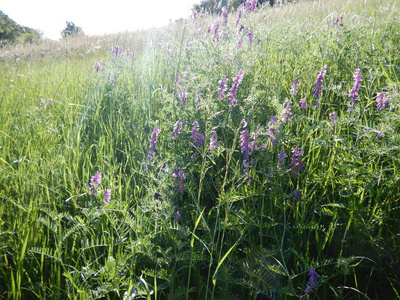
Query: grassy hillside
(250, 158)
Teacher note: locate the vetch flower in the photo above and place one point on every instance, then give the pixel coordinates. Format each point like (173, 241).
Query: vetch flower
(296, 165)
(239, 17)
(333, 118)
(297, 194)
(222, 87)
(281, 157)
(273, 131)
(237, 80)
(153, 142)
(178, 176)
(356, 87)
(245, 146)
(177, 217)
(95, 182)
(293, 89)
(250, 36)
(107, 196)
(213, 141)
(381, 101)
(198, 139)
(319, 83)
(312, 281)
(303, 103)
(287, 112)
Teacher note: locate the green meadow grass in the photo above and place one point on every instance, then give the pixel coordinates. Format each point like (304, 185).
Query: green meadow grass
(187, 222)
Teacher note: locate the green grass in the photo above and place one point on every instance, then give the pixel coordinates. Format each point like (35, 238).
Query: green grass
(242, 234)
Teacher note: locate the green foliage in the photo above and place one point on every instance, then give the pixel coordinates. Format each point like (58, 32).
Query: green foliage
(187, 221)
(11, 32)
(71, 29)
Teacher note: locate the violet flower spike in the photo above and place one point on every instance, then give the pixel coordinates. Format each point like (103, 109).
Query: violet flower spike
(237, 80)
(381, 101)
(107, 196)
(281, 157)
(296, 165)
(293, 89)
(213, 141)
(287, 112)
(319, 83)
(222, 87)
(177, 217)
(312, 281)
(153, 142)
(95, 182)
(303, 103)
(356, 87)
(333, 118)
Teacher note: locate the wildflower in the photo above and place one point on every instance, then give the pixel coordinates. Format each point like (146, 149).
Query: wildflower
(281, 157)
(319, 83)
(95, 182)
(112, 79)
(296, 165)
(297, 194)
(97, 67)
(254, 143)
(237, 80)
(153, 142)
(354, 90)
(178, 175)
(381, 101)
(239, 17)
(272, 131)
(213, 141)
(250, 36)
(245, 145)
(333, 118)
(177, 217)
(107, 196)
(216, 31)
(287, 112)
(250, 5)
(303, 103)
(222, 87)
(116, 50)
(196, 136)
(293, 89)
(224, 13)
(312, 281)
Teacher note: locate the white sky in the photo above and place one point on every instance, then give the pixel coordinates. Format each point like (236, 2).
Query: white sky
(95, 17)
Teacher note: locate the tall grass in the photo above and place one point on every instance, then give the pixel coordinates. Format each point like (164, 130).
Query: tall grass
(237, 220)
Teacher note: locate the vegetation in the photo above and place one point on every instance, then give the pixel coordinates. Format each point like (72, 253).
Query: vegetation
(247, 156)
(71, 29)
(11, 32)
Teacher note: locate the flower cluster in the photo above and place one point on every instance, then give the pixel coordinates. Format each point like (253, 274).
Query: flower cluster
(245, 146)
(117, 51)
(222, 87)
(153, 142)
(333, 118)
(237, 80)
(293, 89)
(281, 157)
(213, 141)
(296, 164)
(287, 112)
(178, 176)
(178, 128)
(95, 182)
(98, 66)
(303, 103)
(198, 139)
(381, 101)
(177, 217)
(45, 103)
(273, 131)
(319, 83)
(312, 281)
(354, 90)
(250, 5)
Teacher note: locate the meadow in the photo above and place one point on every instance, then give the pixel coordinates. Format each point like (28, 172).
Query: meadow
(251, 155)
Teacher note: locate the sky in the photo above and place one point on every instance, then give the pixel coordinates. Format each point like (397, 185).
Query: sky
(95, 17)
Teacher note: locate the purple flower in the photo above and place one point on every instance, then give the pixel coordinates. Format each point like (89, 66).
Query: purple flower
(281, 157)
(198, 139)
(272, 131)
(250, 36)
(237, 80)
(224, 13)
(239, 17)
(318, 84)
(293, 89)
(222, 87)
(177, 217)
(213, 141)
(296, 165)
(98, 67)
(381, 101)
(95, 182)
(112, 79)
(116, 50)
(333, 118)
(356, 87)
(176, 130)
(245, 146)
(107, 196)
(216, 31)
(178, 176)
(312, 281)
(254, 143)
(303, 103)
(250, 5)
(287, 112)
(153, 142)
(297, 194)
